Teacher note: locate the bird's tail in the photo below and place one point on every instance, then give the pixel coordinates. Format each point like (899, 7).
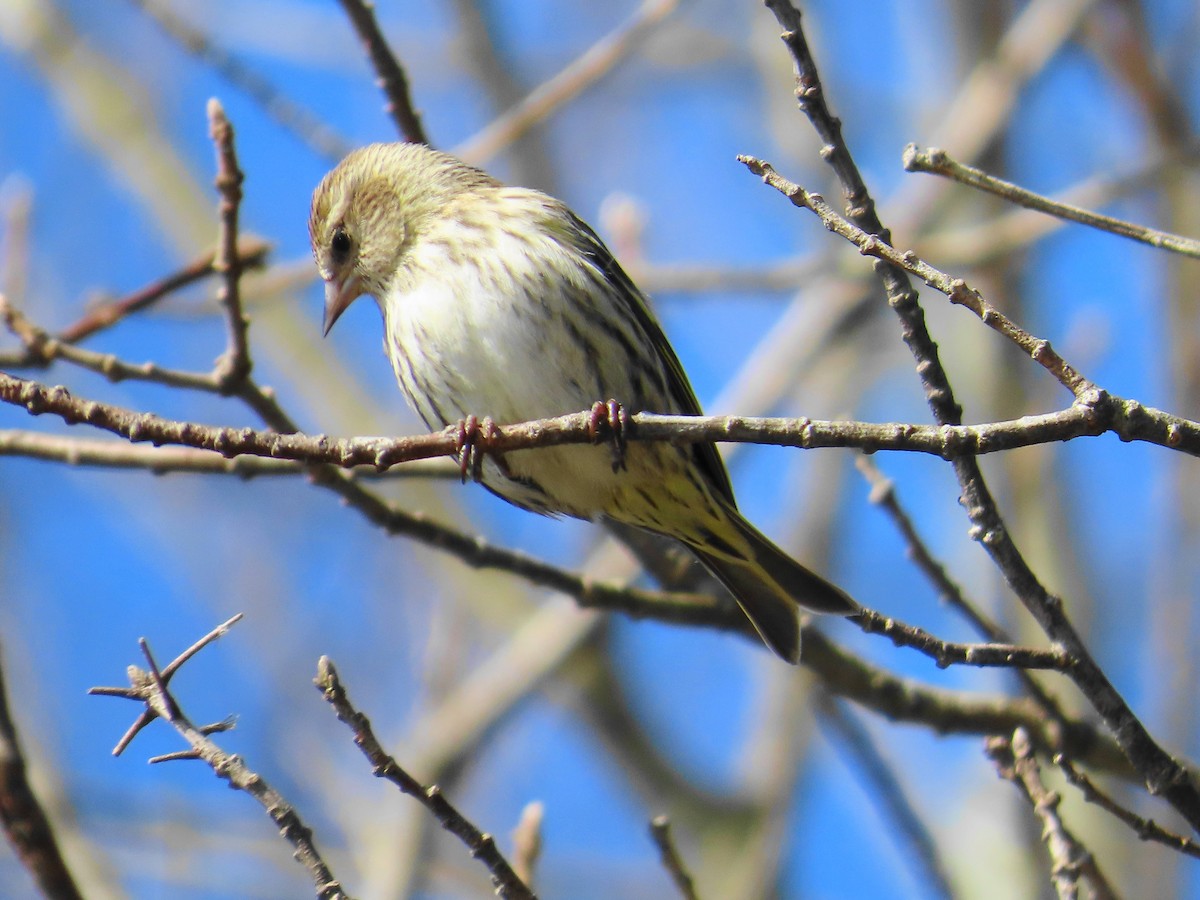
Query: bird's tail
(768, 584)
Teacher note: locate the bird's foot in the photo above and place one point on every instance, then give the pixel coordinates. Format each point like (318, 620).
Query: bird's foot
(610, 420)
(471, 442)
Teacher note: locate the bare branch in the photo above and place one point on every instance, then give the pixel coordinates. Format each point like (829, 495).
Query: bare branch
(25, 822)
(233, 368)
(660, 832)
(392, 80)
(596, 62)
(937, 162)
(956, 289)
(947, 653)
(118, 454)
(481, 845)
(150, 687)
(1094, 415)
(1070, 860)
(1145, 829)
(1163, 774)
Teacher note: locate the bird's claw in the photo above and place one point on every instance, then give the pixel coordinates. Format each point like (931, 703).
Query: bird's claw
(612, 421)
(471, 442)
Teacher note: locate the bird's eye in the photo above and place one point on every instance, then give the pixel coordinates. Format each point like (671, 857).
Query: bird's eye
(340, 245)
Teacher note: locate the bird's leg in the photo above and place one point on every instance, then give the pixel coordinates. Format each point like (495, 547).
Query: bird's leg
(471, 442)
(613, 418)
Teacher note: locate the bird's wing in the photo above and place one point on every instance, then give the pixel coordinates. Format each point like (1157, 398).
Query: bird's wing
(589, 244)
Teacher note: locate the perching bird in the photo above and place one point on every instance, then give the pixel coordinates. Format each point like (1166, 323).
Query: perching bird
(499, 301)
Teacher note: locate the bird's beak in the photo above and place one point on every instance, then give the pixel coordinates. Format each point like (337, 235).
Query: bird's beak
(338, 297)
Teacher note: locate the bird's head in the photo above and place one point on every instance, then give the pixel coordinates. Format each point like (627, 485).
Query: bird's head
(367, 213)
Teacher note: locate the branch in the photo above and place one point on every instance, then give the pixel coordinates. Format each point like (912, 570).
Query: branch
(107, 453)
(660, 833)
(150, 687)
(592, 65)
(937, 162)
(1094, 415)
(1070, 860)
(1145, 829)
(946, 653)
(883, 493)
(392, 79)
(252, 252)
(1163, 775)
(959, 292)
(481, 845)
(233, 368)
(24, 820)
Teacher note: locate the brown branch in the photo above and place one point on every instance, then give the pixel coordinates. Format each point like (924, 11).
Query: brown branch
(392, 80)
(1145, 829)
(937, 162)
(956, 289)
(660, 833)
(277, 106)
(1092, 416)
(1163, 775)
(234, 365)
(251, 251)
(150, 688)
(1070, 860)
(954, 712)
(592, 65)
(105, 453)
(946, 653)
(883, 493)
(481, 845)
(25, 822)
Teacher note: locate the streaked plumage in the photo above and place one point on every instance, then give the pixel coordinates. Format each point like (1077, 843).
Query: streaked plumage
(498, 301)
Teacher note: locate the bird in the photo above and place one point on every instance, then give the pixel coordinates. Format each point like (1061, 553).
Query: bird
(499, 301)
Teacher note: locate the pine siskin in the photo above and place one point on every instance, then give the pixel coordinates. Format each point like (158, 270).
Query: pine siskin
(500, 301)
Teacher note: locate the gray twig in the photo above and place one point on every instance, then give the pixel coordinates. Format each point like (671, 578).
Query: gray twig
(937, 162)
(149, 687)
(481, 845)
(660, 831)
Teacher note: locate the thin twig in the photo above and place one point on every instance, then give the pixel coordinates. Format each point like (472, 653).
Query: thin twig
(1070, 860)
(660, 832)
(278, 107)
(937, 162)
(481, 845)
(107, 453)
(1145, 829)
(252, 252)
(883, 493)
(234, 365)
(946, 653)
(956, 289)
(914, 839)
(25, 822)
(149, 687)
(392, 80)
(527, 841)
(596, 62)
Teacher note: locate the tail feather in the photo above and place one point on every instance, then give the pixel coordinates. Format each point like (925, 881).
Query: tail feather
(769, 585)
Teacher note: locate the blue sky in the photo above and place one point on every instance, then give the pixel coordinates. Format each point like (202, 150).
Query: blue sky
(91, 560)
